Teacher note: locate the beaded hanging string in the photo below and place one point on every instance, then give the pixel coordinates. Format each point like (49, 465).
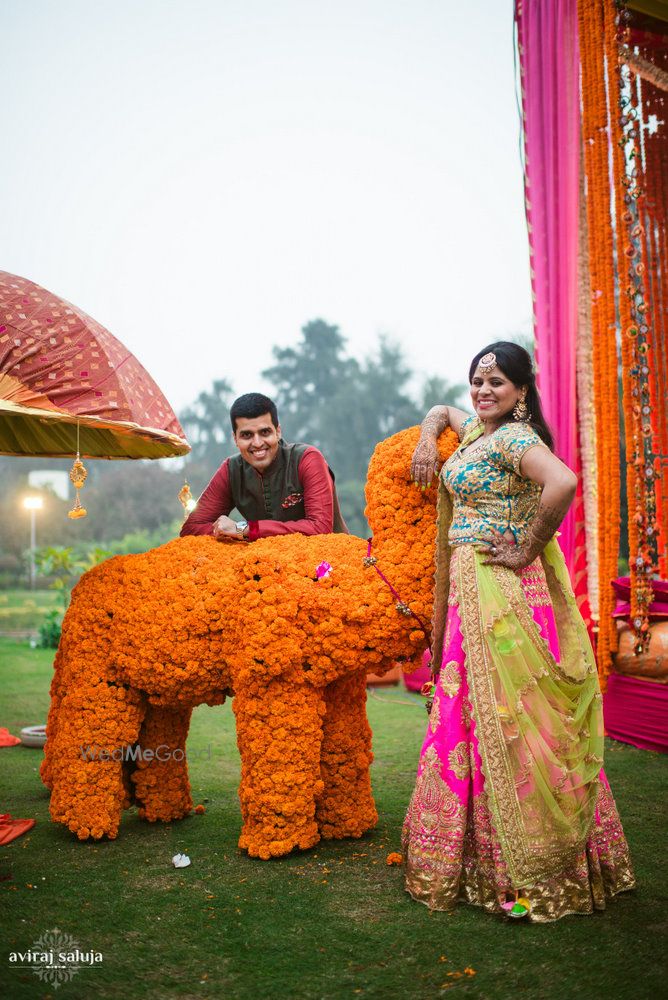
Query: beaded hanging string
(78, 476)
(655, 133)
(636, 336)
(595, 122)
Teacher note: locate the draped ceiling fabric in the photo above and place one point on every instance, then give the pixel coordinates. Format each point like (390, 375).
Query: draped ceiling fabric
(60, 371)
(549, 67)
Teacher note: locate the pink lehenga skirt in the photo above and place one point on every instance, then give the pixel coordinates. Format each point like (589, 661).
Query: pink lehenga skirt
(451, 850)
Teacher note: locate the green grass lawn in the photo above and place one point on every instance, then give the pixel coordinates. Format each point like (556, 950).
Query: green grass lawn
(25, 609)
(327, 923)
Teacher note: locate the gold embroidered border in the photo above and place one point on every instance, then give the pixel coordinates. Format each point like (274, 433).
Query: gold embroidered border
(525, 864)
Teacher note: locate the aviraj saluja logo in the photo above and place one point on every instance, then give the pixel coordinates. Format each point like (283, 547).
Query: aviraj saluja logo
(55, 958)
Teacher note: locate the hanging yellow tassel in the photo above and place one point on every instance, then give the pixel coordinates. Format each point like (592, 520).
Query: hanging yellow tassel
(78, 476)
(186, 498)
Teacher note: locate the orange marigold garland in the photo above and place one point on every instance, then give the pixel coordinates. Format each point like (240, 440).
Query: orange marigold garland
(595, 121)
(290, 624)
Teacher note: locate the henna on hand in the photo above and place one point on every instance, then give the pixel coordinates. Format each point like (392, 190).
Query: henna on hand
(425, 463)
(545, 522)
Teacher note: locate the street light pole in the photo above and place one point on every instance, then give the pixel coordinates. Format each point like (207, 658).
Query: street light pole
(33, 504)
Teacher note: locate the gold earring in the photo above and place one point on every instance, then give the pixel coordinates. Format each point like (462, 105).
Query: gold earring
(521, 410)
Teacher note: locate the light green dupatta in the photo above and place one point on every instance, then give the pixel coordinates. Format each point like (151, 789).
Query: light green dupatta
(539, 724)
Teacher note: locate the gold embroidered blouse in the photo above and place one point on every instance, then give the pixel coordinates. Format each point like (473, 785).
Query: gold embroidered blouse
(483, 477)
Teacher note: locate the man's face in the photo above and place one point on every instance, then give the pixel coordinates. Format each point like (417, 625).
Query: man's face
(257, 440)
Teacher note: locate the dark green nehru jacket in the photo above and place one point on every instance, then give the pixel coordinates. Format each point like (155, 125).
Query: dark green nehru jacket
(277, 495)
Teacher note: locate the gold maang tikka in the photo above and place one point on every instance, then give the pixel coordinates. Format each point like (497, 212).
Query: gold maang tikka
(487, 363)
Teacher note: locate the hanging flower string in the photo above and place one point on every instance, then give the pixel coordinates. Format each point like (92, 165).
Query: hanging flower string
(401, 606)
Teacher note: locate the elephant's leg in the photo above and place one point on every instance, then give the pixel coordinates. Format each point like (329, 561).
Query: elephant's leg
(279, 730)
(346, 807)
(161, 784)
(95, 723)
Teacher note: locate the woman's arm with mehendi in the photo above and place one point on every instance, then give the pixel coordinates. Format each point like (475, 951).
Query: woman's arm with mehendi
(425, 463)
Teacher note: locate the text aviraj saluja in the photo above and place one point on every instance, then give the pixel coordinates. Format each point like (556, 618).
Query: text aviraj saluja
(55, 959)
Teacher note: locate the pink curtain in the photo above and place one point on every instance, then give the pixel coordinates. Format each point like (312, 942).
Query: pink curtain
(549, 66)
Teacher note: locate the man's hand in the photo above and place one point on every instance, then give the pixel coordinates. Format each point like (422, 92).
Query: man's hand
(225, 528)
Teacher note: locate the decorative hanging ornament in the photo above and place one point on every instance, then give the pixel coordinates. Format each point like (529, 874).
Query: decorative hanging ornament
(186, 498)
(78, 476)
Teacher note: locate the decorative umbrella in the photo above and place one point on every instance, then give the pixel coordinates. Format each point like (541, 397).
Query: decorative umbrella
(68, 387)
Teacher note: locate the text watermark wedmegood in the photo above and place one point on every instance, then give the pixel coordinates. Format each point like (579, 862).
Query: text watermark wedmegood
(136, 753)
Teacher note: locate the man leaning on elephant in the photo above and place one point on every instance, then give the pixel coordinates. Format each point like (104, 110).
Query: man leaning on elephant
(278, 488)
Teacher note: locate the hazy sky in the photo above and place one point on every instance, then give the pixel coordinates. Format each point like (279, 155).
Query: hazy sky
(204, 176)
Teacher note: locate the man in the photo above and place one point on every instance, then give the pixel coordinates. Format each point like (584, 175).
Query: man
(278, 488)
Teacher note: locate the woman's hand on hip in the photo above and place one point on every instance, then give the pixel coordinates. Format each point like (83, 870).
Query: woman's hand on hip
(502, 551)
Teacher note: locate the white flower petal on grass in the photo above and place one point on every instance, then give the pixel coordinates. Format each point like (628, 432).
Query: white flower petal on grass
(180, 860)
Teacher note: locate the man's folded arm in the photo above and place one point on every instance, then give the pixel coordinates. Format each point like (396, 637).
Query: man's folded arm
(318, 493)
(215, 500)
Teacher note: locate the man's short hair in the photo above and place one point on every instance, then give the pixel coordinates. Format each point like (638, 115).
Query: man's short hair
(251, 405)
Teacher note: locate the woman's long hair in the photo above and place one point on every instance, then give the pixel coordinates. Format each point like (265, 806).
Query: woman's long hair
(516, 364)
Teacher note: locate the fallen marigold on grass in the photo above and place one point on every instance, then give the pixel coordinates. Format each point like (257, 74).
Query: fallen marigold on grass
(394, 859)
(200, 809)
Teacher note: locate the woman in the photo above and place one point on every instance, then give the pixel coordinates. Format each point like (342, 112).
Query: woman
(511, 809)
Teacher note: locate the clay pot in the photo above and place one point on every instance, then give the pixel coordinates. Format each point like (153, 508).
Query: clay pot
(652, 665)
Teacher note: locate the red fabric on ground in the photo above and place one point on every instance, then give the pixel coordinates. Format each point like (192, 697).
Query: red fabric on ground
(10, 828)
(6, 738)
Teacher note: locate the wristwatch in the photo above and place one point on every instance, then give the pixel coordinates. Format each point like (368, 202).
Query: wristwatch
(241, 527)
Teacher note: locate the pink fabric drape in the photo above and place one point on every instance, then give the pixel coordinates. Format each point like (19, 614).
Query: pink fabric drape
(549, 66)
(636, 712)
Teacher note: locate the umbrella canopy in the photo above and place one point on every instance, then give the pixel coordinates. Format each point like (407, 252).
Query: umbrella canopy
(63, 375)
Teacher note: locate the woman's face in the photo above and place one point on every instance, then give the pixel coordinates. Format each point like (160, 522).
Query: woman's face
(493, 395)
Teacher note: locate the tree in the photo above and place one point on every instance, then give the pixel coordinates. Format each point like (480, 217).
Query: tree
(437, 390)
(207, 425)
(368, 408)
(307, 378)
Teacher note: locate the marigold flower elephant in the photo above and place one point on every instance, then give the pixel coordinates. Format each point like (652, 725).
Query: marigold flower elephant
(148, 637)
